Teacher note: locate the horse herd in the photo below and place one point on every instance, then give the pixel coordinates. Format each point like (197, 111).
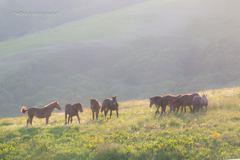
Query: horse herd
(181, 100)
(112, 104)
(71, 109)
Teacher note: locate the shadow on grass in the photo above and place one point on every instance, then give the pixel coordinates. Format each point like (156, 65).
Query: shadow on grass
(6, 123)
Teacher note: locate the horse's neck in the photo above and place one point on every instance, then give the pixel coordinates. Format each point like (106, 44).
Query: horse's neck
(52, 108)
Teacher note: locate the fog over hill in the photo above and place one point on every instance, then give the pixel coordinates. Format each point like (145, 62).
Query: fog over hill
(133, 50)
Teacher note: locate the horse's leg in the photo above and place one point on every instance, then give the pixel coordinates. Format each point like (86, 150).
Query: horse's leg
(68, 118)
(27, 122)
(190, 108)
(46, 121)
(117, 112)
(97, 115)
(78, 118)
(71, 119)
(31, 120)
(110, 113)
(65, 118)
(105, 112)
(178, 108)
(181, 109)
(93, 115)
(165, 107)
(162, 110)
(157, 111)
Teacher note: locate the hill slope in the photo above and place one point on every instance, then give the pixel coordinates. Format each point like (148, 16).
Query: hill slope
(136, 134)
(156, 47)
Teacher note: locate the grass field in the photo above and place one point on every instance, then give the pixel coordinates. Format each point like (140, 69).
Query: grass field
(136, 134)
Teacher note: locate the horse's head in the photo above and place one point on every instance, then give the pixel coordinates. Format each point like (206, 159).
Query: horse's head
(151, 101)
(114, 100)
(78, 106)
(57, 106)
(91, 103)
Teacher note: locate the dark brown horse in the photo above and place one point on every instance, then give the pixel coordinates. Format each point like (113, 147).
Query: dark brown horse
(95, 106)
(44, 112)
(158, 103)
(72, 110)
(184, 100)
(110, 104)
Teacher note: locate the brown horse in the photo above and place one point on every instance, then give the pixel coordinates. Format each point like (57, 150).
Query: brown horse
(157, 101)
(199, 102)
(110, 104)
(72, 110)
(95, 106)
(184, 100)
(168, 100)
(44, 112)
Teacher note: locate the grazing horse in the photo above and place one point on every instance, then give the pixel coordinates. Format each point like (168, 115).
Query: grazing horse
(44, 112)
(199, 102)
(72, 110)
(110, 104)
(184, 100)
(157, 101)
(95, 106)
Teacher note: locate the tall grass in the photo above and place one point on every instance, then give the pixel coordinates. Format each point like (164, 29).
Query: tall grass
(136, 134)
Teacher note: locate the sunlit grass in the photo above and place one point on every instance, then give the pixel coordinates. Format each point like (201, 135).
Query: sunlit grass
(136, 134)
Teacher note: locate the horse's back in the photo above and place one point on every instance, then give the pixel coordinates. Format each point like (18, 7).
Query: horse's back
(186, 99)
(197, 100)
(38, 112)
(107, 102)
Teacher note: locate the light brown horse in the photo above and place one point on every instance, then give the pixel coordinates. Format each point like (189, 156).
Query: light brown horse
(95, 106)
(72, 110)
(44, 112)
(184, 100)
(168, 100)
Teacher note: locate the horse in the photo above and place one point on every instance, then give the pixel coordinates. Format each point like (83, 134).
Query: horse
(157, 101)
(72, 110)
(199, 102)
(184, 100)
(44, 112)
(95, 106)
(110, 104)
(168, 100)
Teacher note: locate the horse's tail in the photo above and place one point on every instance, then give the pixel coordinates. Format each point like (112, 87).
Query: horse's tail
(24, 109)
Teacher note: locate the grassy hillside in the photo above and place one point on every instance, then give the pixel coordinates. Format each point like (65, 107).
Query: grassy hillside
(136, 134)
(156, 47)
(148, 18)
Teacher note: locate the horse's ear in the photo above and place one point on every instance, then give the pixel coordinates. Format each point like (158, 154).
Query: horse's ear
(90, 99)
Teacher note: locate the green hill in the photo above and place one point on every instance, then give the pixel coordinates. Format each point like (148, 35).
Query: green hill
(136, 134)
(155, 47)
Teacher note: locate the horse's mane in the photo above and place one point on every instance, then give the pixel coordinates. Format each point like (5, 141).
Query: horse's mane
(95, 101)
(156, 97)
(51, 104)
